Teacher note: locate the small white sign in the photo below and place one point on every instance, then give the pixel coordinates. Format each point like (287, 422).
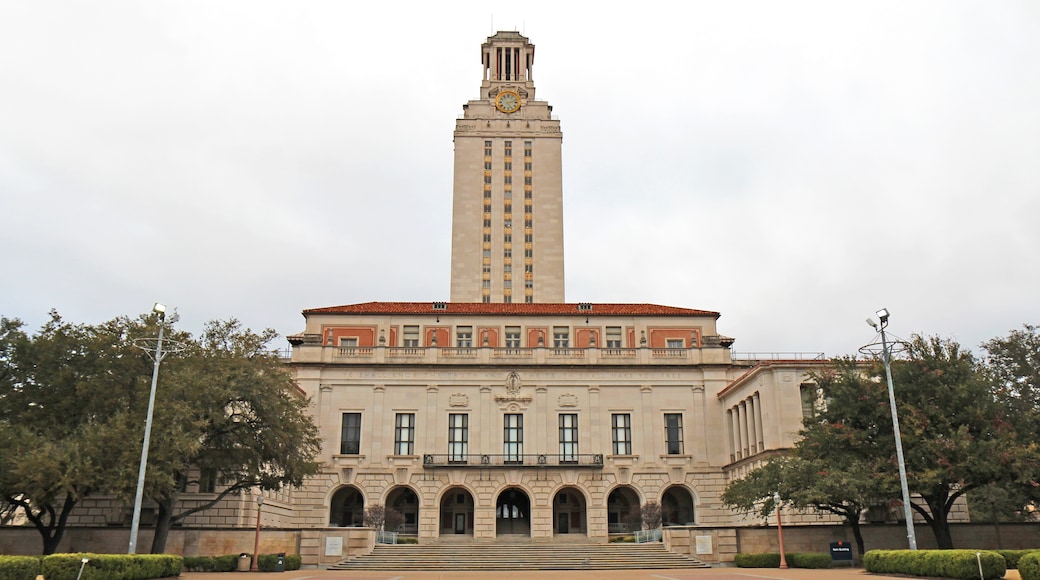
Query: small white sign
(333, 546)
(703, 545)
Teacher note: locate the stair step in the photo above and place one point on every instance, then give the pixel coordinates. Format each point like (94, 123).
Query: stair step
(456, 556)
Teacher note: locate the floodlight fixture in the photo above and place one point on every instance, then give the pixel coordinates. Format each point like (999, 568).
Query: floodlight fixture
(159, 309)
(872, 322)
(883, 315)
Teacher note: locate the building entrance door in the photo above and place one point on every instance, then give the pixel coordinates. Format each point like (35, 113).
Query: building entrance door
(563, 523)
(460, 523)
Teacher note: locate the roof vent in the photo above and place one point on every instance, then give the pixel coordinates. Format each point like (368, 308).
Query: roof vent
(440, 305)
(584, 306)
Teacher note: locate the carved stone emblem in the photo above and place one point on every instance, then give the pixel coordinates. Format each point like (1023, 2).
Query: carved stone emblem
(568, 400)
(513, 383)
(458, 400)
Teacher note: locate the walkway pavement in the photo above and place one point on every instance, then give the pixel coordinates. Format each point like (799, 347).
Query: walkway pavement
(712, 574)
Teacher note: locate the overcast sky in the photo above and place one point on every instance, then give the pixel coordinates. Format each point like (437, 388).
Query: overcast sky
(792, 165)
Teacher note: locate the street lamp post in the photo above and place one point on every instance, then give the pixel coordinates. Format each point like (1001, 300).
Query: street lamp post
(256, 541)
(886, 357)
(160, 311)
(780, 531)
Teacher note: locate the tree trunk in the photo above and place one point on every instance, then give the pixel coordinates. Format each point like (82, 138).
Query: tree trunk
(163, 522)
(940, 525)
(857, 533)
(53, 531)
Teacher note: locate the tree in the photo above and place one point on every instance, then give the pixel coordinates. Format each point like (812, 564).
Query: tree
(72, 408)
(225, 407)
(956, 438)
(383, 518)
(1012, 368)
(61, 393)
(651, 515)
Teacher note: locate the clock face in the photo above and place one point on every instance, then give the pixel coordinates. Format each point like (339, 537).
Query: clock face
(508, 102)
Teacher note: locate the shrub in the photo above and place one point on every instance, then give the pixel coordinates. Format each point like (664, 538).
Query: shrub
(19, 567)
(401, 540)
(198, 564)
(110, 566)
(937, 563)
(225, 563)
(809, 560)
(294, 561)
(765, 560)
(623, 539)
(772, 560)
(1029, 566)
(1013, 556)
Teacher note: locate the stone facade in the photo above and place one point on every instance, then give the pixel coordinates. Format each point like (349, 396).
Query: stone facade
(526, 419)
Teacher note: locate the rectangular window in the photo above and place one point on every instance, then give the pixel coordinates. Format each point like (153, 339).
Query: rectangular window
(613, 337)
(568, 438)
(350, 440)
(512, 337)
(808, 393)
(411, 336)
(404, 434)
(675, 343)
(348, 342)
(561, 337)
(208, 481)
(513, 438)
(673, 433)
(621, 424)
(464, 335)
(458, 437)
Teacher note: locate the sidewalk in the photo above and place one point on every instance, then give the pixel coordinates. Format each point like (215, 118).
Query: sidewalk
(709, 574)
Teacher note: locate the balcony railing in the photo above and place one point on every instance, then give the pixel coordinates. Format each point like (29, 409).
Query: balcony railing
(484, 460)
(549, 355)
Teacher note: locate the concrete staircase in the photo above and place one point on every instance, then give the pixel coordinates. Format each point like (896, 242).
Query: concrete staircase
(511, 555)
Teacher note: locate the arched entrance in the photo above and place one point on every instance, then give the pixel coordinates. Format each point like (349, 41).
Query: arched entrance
(405, 502)
(513, 513)
(677, 507)
(348, 508)
(456, 512)
(623, 511)
(569, 512)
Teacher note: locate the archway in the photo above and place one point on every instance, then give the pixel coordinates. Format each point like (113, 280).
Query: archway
(569, 516)
(348, 508)
(677, 507)
(623, 511)
(456, 512)
(405, 502)
(513, 513)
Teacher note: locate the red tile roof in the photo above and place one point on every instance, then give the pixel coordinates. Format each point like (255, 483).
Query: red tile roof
(514, 309)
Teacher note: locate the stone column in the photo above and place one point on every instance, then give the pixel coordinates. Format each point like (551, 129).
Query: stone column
(752, 426)
(699, 431)
(484, 411)
(379, 421)
(651, 446)
(542, 416)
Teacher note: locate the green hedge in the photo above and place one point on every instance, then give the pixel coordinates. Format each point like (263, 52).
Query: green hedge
(1013, 556)
(111, 566)
(229, 563)
(794, 560)
(19, 567)
(809, 560)
(960, 564)
(763, 560)
(1029, 566)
